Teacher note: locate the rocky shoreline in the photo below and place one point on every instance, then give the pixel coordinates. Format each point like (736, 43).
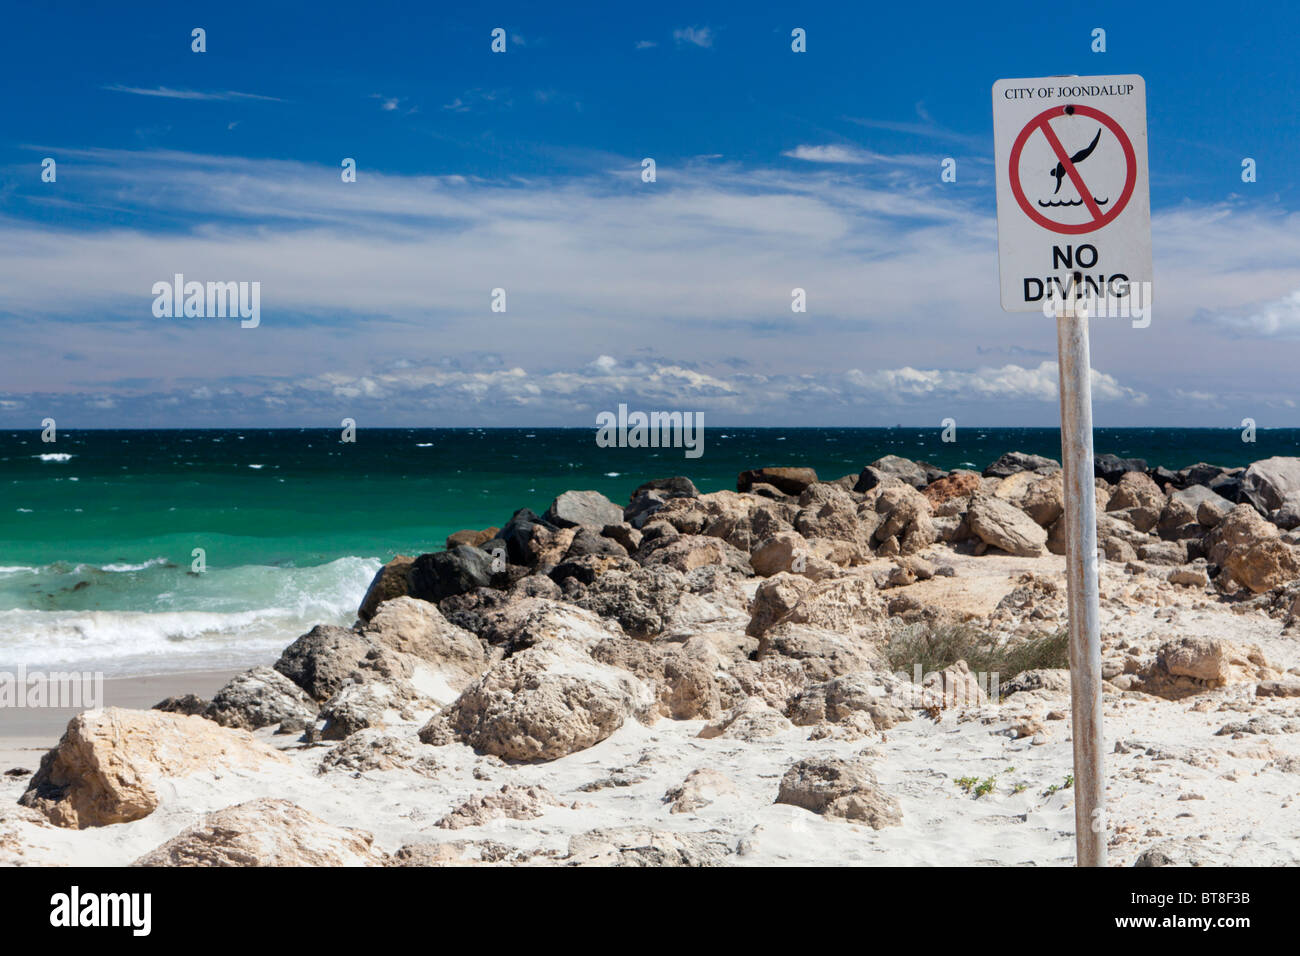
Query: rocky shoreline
(864, 670)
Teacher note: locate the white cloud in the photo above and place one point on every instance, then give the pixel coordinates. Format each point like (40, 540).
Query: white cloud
(696, 36)
(852, 155)
(1279, 319)
(688, 283)
(1012, 383)
(168, 93)
(828, 154)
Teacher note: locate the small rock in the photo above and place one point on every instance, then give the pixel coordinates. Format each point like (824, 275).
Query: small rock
(840, 788)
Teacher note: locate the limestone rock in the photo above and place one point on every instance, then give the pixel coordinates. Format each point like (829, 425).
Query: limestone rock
(1210, 661)
(1001, 525)
(641, 600)
(373, 704)
(106, 765)
(1163, 552)
(687, 552)
(700, 788)
(1051, 679)
(326, 657)
(1267, 483)
(475, 539)
(958, 484)
(1241, 527)
(1193, 505)
(1263, 565)
(774, 600)
(626, 535)
(877, 696)
(265, 832)
(683, 678)
(447, 657)
(1044, 499)
(954, 686)
(258, 698)
(840, 788)
(643, 507)
(523, 623)
(750, 720)
(510, 802)
(906, 527)
(378, 750)
(1014, 488)
(525, 535)
(641, 846)
(848, 604)
(1192, 576)
(830, 512)
(544, 702)
(1137, 493)
(822, 653)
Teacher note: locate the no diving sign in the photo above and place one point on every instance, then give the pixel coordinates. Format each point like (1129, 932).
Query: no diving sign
(1074, 207)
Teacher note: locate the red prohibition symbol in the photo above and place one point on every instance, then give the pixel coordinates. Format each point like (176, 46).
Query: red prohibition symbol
(1099, 219)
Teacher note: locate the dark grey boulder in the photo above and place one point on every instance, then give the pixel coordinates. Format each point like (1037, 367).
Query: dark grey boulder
(471, 609)
(518, 533)
(583, 508)
(590, 541)
(1014, 462)
(1113, 468)
(790, 481)
(1163, 477)
(643, 507)
(586, 568)
(445, 573)
(191, 705)
(668, 488)
(869, 478)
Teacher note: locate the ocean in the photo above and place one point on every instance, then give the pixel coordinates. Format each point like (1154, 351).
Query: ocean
(98, 530)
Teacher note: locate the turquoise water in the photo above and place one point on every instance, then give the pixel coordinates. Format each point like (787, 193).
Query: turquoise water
(98, 529)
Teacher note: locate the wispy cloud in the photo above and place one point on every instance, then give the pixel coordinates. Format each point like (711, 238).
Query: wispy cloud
(694, 36)
(172, 94)
(899, 273)
(393, 104)
(927, 130)
(1278, 319)
(852, 155)
(478, 98)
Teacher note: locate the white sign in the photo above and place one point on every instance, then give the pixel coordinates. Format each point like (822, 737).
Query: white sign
(1074, 207)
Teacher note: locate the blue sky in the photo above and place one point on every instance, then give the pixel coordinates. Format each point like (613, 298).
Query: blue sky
(522, 171)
